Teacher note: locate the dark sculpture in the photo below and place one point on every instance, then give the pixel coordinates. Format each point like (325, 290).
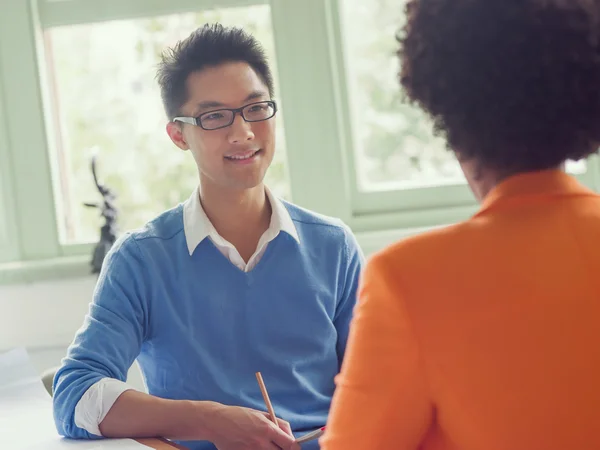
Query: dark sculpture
(108, 232)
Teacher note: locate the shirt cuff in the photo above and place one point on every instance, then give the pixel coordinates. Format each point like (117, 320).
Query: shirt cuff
(96, 402)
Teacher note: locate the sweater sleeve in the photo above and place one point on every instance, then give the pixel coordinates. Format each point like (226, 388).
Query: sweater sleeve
(381, 400)
(351, 270)
(110, 338)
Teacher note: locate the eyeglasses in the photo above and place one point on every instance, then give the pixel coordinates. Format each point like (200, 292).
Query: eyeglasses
(221, 118)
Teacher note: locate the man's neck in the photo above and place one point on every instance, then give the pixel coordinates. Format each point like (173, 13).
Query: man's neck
(240, 216)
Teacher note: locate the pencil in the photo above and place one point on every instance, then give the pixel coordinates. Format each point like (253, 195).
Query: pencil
(265, 395)
(311, 436)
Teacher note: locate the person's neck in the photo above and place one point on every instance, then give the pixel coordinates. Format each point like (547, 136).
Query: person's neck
(489, 179)
(240, 216)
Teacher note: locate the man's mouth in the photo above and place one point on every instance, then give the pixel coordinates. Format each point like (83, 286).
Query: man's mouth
(243, 156)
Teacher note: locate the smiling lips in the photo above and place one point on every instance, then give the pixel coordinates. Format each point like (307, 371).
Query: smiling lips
(246, 156)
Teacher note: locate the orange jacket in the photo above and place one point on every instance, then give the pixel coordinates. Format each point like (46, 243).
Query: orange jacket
(484, 335)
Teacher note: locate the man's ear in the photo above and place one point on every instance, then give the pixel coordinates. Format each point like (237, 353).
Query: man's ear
(175, 132)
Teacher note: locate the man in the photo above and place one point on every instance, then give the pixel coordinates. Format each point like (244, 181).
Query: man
(232, 282)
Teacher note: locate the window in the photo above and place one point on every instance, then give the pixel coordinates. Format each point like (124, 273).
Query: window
(106, 101)
(401, 174)
(395, 146)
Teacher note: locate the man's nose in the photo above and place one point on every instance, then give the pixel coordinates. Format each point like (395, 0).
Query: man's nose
(240, 130)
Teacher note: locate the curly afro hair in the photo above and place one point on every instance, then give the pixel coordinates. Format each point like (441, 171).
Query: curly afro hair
(514, 84)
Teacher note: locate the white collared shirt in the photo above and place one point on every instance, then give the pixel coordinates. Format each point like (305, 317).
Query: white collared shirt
(198, 227)
(96, 402)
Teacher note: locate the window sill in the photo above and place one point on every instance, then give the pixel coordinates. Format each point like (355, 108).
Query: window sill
(78, 266)
(25, 272)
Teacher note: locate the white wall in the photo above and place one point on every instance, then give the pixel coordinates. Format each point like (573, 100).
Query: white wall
(43, 317)
(44, 314)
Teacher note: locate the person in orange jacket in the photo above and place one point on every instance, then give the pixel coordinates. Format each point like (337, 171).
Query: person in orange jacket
(485, 335)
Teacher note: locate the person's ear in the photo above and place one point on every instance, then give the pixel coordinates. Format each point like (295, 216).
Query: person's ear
(175, 132)
(473, 172)
(478, 171)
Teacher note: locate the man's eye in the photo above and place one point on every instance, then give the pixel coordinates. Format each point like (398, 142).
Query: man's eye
(257, 108)
(213, 116)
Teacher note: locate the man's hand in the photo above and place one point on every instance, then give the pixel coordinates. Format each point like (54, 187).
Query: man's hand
(237, 428)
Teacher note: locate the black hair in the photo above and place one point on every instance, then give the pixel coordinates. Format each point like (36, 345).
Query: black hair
(514, 84)
(208, 46)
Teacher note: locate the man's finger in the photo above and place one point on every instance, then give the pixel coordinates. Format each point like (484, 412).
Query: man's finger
(281, 438)
(285, 426)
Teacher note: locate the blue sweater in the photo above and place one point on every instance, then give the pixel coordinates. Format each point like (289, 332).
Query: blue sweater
(200, 327)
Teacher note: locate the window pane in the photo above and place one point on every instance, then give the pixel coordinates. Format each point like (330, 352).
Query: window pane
(395, 143)
(107, 101)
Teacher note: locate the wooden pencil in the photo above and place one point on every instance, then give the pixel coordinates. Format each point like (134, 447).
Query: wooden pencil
(265, 395)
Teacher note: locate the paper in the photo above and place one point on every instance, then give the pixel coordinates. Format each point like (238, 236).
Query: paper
(26, 421)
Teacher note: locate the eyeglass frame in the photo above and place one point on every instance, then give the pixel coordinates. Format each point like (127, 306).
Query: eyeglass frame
(197, 120)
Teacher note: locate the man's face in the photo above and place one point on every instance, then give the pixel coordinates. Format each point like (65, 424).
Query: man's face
(237, 156)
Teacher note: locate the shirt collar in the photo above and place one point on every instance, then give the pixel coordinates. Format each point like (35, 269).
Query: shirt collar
(534, 184)
(197, 226)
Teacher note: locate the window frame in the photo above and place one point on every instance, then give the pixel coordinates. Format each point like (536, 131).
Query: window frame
(9, 248)
(28, 161)
(73, 12)
(311, 67)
